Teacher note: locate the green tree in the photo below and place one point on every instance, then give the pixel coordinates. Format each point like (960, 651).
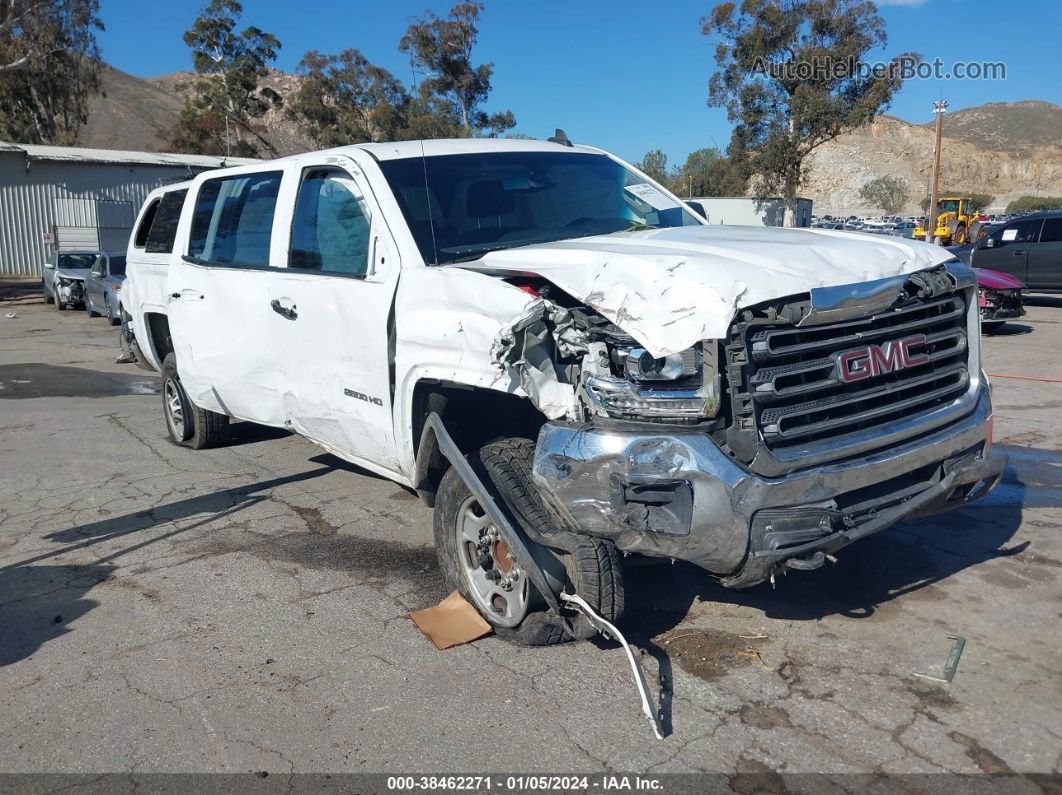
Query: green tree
(654, 164)
(979, 201)
(788, 80)
(222, 115)
(344, 99)
(708, 172)
(889, 194)
(49, 68)
(1031, 204)
(442, 50)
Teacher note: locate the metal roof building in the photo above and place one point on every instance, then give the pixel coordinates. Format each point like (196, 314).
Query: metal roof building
(65, 197)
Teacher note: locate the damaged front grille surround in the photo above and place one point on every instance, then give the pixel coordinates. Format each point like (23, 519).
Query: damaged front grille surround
(789, 394)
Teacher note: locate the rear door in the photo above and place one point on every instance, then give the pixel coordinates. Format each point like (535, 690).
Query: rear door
(331, 312)
(1045, 257)
(218, 301)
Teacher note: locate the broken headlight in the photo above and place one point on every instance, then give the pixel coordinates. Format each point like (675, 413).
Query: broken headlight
(628, 382)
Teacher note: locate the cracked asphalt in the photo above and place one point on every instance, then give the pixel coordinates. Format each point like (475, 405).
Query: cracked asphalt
(246, 609)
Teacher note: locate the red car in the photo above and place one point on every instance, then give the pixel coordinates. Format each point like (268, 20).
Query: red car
(1000, 298)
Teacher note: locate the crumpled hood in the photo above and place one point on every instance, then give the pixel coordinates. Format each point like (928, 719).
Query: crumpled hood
(73, 274)
(670, 288)
(995, 280)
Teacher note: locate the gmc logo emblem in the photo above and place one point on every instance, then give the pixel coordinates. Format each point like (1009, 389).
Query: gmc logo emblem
(873, 360)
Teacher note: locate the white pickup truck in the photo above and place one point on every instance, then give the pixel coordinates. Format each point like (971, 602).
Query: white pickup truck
(622, 377)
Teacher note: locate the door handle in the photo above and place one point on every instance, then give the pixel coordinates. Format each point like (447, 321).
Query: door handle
(284, 311)
(1019, 252)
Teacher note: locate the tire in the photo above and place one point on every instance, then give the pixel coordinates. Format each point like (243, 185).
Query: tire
(958, 237)
(59, 305)
(89, 310)
(186, 424)
(48, 299)
(114, 321)
(588, 566)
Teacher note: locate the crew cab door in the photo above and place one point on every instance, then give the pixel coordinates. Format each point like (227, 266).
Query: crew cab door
(331, 317)
(218, 296)
(1045, 257)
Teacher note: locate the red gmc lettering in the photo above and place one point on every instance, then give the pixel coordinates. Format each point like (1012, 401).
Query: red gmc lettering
(863, 363)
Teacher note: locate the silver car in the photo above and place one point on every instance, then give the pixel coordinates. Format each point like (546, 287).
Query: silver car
(64, 277)
(103, 286)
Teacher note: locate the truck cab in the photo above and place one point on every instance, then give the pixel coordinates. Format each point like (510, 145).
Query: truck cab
(625, 377)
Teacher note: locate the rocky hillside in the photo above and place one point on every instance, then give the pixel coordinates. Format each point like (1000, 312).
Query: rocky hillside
(1003, 149)
(1003, 164)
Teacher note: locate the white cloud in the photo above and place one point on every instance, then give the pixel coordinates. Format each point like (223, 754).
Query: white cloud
(908, 3)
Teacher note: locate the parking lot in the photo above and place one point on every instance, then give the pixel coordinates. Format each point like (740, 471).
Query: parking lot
(246, 609)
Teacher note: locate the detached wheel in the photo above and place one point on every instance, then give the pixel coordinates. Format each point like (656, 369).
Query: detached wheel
(476, 560)
(187, 424)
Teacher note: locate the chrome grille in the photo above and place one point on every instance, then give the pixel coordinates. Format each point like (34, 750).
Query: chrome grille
(787, 394)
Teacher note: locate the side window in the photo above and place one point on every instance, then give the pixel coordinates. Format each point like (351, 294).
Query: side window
(1018, 231)
(330, 230)
(233, 219)
(163, 229)
(99, 266)
(141, 236)
(1052, 232)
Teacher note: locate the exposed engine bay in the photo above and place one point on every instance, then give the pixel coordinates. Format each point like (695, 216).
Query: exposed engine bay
(574, 363)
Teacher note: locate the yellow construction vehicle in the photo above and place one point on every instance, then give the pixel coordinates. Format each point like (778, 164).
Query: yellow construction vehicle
(958, 222)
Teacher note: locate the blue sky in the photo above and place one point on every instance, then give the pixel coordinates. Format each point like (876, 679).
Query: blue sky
(625, 76)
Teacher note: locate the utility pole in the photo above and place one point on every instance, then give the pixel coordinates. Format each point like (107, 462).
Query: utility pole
(931, 212)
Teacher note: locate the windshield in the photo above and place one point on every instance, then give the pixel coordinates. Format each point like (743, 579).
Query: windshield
(948, 206)
(76, 261)
(477, 203)
(117, 266)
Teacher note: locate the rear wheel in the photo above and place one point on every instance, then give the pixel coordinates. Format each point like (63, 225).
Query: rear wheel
(112, 317)
(187, 424)
(477, 561)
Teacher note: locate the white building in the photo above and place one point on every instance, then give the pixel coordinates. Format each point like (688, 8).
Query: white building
(63, 197)
(746, 211)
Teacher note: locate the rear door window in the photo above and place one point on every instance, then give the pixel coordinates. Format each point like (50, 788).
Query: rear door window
(163, 229)
(1052, 232)
(233, 220)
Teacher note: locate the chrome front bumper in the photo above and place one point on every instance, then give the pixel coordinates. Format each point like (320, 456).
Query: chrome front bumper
(676, 494)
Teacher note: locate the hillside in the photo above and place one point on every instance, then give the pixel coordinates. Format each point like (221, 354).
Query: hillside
(1004, 149)
(1013, 127)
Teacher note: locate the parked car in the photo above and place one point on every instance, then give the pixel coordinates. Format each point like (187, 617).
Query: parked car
(63, 281)
(698, 207)
(103, 286)
(581, 338)
(904, 229)
(999, 297)
(1028, 248)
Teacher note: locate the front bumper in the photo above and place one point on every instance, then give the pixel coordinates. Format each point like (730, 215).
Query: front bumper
(677, 495)
(70, 291)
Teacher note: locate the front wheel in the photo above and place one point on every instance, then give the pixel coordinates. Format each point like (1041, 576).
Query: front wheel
(477, 561)
(88, 308)
(186, 423)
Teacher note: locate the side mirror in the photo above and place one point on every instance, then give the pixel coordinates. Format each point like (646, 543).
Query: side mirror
(988, 242)
(49, 265)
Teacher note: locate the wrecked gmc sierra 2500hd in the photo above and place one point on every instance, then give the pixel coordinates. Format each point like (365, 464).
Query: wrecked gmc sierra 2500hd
(537, 331)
